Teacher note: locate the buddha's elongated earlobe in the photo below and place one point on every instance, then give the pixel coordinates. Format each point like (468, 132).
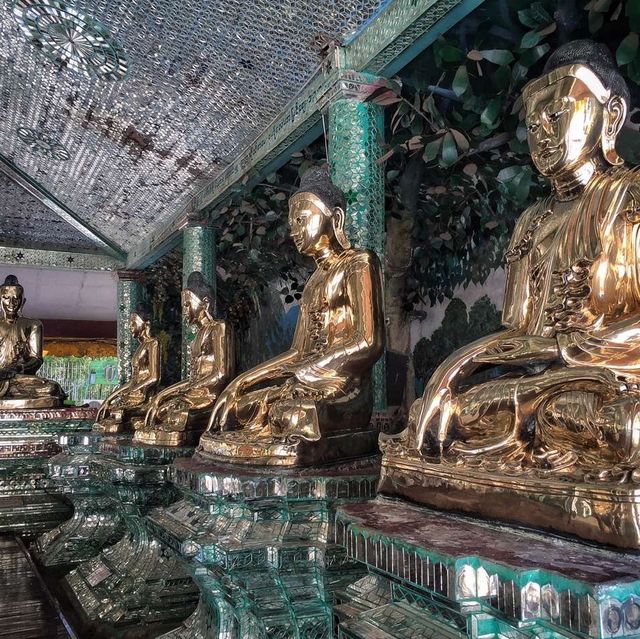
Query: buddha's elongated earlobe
(339, 220)
(615, 114)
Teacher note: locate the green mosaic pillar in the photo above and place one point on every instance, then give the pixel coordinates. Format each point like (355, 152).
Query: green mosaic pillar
(356, 130)
(198, 254)
(129, 296)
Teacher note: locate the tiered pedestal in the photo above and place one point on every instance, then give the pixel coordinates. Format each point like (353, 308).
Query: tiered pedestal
(259, 542)
(434, 574)
(136, 582)
(30, 502)
(96, 522)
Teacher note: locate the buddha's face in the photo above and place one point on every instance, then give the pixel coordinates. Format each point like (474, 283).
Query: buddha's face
(311, 224)
(136, 325)
(12, 300)
(564, 125)
(191, 306)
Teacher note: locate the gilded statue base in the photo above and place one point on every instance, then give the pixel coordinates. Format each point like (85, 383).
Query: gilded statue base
(158, 437)
(115, 425)
(604, 512)
(260, 545)
(243, 447)
(34, 403)
(30, 501)
(435, 574)
(239, 447)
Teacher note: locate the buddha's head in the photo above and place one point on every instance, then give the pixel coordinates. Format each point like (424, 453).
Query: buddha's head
(197, 297)
(316, 214)
(575, 111)
(140, 323)
(12, 297)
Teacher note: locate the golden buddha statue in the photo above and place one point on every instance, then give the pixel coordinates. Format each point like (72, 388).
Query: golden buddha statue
(21, 355)
(549, 437)
(129, 400)
(312, 404)
(177, 415)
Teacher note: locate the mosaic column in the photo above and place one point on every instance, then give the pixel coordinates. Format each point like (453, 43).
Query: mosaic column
(198, 254)
(129, 296)
(356, 132)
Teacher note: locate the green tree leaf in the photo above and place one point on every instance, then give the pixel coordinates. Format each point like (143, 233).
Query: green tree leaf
(498, 56)
(449, 150)
(531, 56)
(489, 116)
(431, 150)
(632, 9)
(627, 49)
(529, 39)
(461, 80)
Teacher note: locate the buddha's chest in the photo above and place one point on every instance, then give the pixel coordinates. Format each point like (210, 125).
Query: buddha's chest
(327, 307)
(140, 359)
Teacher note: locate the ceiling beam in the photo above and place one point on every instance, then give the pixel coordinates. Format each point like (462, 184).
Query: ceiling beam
(38, 191)
(400, 32)
(12, 255)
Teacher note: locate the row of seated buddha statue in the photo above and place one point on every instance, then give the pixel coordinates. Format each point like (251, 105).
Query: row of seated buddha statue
(554, 395)
(175, 415)
(565, 392)
(311, 404)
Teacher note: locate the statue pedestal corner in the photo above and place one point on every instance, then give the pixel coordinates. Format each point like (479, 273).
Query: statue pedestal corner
(445, 575)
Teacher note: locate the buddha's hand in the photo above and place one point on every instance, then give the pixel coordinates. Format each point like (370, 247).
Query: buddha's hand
(520, 350)
(150, 417)
(220, 412)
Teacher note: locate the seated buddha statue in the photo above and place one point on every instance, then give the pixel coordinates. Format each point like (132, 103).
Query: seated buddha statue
(563, 397)
(21, 355)
(129, 400)
(311, 404)
(178, 414)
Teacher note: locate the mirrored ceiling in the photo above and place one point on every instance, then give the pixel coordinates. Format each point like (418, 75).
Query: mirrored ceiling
(26, 222)
(123, 108)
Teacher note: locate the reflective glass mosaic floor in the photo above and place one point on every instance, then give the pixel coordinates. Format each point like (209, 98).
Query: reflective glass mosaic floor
(25, 612)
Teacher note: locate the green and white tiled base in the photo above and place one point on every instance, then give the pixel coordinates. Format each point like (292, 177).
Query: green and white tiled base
(259, 545)
(30, 502)
(435, 574)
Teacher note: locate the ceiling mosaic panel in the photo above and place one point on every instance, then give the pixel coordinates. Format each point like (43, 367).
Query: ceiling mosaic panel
(26, 222)
(123, 108)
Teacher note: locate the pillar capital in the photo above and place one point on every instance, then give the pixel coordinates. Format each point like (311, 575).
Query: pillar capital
(197, 218)
(354, 85)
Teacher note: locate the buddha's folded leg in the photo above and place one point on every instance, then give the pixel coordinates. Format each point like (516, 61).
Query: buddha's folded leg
(30, 385)
(295, 417)
(309, 412)
(598, 427)
(251, 410)
(505, 411)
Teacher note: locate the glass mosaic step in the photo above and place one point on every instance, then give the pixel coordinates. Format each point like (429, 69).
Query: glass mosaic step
(484, 579)
(259, 543)
(119, 577)
(30, 502)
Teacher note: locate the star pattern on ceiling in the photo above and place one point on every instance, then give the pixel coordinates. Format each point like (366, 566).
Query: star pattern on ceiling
(40, 143)
(71, 38)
